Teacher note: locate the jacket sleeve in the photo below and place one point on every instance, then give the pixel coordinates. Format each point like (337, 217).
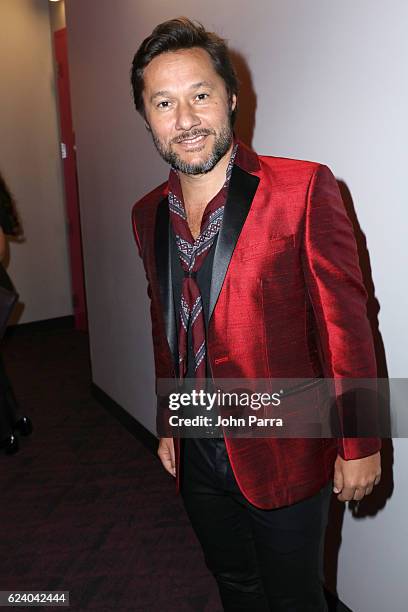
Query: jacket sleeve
(338, 297)
(163, 413)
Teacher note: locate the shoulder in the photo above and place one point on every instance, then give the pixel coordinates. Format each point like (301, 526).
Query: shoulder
(288, 165)
(149, 202)
(274, 165)
(291, 172)
(144, 213)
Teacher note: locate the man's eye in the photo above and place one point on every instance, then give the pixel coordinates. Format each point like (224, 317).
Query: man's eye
(163, 104)
(202, 96)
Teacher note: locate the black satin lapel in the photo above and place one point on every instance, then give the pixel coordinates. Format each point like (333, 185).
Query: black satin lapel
(241, 192)
(164, 276)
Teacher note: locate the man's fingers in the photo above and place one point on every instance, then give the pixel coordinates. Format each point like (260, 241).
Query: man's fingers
(166, 454)
(355, 478)
(168, 465)
(355, 493)
(347, 494)
(337, 481)
(359, 493)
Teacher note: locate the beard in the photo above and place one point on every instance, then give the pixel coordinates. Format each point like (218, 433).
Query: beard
(222, 143)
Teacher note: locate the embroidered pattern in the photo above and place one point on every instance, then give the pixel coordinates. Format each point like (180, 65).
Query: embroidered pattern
(192, 254)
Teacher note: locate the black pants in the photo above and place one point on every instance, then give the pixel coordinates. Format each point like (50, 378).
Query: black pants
(8, 404)
(262, 560)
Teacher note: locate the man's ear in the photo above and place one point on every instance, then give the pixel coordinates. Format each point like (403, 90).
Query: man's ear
(233, 102)
(147, 126)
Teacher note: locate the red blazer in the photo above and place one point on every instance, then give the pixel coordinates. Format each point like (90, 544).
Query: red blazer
(287, 300)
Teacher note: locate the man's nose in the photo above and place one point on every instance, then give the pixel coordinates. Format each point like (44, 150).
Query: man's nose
(186, 117)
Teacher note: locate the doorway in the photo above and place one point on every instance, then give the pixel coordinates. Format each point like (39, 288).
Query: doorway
(68, 155)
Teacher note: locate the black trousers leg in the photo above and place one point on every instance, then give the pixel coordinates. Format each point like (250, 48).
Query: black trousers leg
(262, 560)
(8, 404)
(289, 545)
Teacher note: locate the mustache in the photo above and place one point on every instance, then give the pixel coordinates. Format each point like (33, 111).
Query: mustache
(192, 134)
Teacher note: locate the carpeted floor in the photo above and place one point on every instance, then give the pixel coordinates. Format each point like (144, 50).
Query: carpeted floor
(85, 506)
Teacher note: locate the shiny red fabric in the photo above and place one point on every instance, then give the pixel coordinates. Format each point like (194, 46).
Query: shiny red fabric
(293, 277)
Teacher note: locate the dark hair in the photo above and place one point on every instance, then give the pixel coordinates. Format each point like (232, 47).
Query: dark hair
(8, 217)
(176, 34)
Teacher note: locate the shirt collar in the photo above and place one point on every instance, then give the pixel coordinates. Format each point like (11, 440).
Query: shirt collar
(245, 158)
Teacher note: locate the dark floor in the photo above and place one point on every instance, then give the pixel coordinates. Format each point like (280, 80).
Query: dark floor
(85, 507)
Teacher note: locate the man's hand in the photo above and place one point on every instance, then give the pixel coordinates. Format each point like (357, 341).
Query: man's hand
(356, 477)
(166, 454)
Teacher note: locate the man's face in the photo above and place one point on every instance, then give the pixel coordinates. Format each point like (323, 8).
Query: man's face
(187, 110)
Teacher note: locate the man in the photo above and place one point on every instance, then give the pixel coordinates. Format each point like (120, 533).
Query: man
(252, 273)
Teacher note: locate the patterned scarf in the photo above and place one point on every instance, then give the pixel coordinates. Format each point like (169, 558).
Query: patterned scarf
(192, 254)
